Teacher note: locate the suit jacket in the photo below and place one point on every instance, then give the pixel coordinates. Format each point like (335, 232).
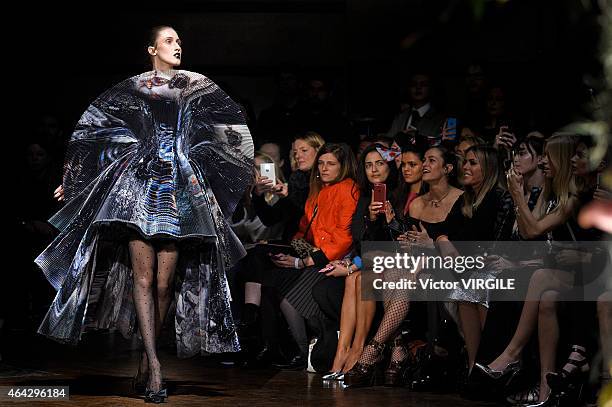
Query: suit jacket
(429, 126)
(330, 230)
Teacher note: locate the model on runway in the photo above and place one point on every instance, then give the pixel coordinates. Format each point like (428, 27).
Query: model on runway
(153, 169)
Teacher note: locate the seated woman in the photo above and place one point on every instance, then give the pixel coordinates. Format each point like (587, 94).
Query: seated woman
(245, 222)
(325, 227)
(588, 261)
(554, 207)
(431, 209)
(351, 314)
(475, 222)
(278, 204)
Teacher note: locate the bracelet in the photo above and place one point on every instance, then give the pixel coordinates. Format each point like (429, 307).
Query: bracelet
(296, 263)
(303, 263)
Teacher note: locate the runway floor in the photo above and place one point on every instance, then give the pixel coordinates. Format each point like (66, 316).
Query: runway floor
(99, 370)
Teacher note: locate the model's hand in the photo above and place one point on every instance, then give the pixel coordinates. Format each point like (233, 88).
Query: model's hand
(59, 193)
(263, 185)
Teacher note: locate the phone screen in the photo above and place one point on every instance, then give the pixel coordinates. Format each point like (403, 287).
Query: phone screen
(451, 128)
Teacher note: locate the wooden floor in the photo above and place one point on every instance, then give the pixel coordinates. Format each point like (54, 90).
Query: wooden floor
(99, 373)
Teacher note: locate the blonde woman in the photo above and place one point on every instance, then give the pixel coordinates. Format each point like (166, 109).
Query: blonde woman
(556, 204)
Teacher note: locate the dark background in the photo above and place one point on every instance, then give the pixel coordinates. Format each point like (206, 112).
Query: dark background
(542, 51)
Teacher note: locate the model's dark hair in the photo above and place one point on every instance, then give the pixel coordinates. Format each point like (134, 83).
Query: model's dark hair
(362, 178)
(152, 40)
(154, 33)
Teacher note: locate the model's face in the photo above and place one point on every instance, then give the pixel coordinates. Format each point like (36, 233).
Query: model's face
(304, 155)
(472, 171)
(412, 167)
(434, 168)
(167, 52)
(580, 161)
(376, 168)
(525, 162)
(329, 168)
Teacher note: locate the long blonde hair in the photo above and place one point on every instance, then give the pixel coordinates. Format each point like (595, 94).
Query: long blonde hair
(489, 164)
(559, 148)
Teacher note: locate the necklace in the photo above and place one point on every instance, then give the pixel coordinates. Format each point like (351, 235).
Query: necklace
(436, 202)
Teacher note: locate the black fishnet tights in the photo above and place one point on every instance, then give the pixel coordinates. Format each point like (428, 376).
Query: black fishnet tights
(152, 303)
(395, 312)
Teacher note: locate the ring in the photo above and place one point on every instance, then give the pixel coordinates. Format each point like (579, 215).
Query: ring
(413, 239)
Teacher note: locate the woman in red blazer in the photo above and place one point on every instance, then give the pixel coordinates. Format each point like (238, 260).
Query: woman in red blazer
(326, 225)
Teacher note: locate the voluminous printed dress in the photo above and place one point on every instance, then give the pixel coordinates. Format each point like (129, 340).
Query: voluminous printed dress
(166, 156)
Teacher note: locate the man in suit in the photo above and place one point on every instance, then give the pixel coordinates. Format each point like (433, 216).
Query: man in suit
(421, 119)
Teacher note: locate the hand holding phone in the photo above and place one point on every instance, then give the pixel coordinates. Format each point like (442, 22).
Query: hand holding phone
(449, 129)
(268, 170)
(379, 194)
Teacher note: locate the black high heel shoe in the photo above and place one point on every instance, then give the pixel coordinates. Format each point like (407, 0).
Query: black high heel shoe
(362, 375)
(502, 377)
(395, 375)
(156, 397)
(564, 380)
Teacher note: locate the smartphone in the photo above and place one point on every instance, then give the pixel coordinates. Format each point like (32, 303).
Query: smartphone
(268, 170)
(379, 193)
(327, 268)
(451, 124)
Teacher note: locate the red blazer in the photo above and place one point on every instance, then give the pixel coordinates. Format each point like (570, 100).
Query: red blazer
(331, 228)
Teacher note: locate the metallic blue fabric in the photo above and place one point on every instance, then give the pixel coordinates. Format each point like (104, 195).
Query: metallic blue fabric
(167, 156)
